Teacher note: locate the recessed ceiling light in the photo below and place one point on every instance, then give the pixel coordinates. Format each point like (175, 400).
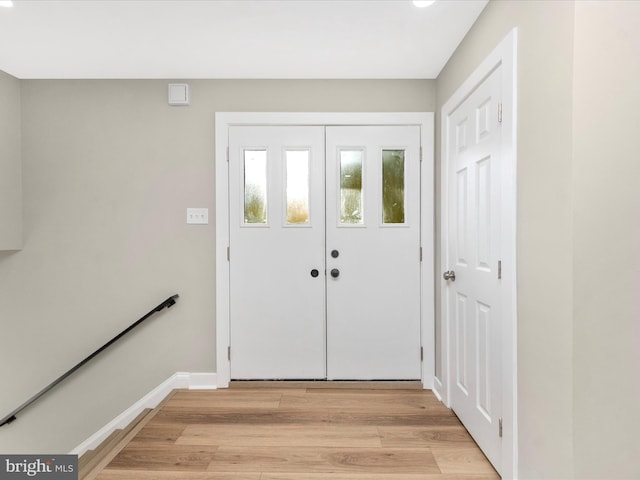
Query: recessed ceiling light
(6, 3)
(423, 3)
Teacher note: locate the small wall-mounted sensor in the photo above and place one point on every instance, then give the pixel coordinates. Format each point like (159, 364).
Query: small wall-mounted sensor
(179, 94)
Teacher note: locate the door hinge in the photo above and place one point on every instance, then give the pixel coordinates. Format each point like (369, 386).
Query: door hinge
(420, 253)
(421, 354)
(229, 352)
(228, 254)
(227, 154)
(499, 269)
(499, 113)
(500, 428)
(421, 153)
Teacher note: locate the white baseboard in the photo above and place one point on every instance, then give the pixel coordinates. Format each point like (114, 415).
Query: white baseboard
(179, 380)
(437, 388)
(203, 381)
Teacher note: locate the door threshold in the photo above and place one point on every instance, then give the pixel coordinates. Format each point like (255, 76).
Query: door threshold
(335, 384)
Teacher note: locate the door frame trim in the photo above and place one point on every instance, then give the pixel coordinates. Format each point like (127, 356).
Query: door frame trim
(224, 120)
(504, 55)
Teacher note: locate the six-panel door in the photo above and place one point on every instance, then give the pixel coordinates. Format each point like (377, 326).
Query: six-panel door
(474, 255)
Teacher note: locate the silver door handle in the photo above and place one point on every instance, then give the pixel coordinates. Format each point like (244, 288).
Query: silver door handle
(449, 275)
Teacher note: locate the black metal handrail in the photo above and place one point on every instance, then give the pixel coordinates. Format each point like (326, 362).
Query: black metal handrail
(168, 303)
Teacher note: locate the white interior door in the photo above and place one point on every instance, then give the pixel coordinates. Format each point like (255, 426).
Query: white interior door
(373, 252)
(277, 289)
(474, 257)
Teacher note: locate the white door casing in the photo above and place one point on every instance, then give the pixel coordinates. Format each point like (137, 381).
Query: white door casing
(277, 306)
(226, 120)
(373, 306)
(478, 231)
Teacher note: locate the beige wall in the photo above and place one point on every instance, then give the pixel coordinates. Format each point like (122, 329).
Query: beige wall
(109, 170)
(606, 243)
(544, 235)
(10, 164)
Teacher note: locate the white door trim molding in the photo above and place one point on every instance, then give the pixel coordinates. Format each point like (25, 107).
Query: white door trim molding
(504, 55)
(223, 120)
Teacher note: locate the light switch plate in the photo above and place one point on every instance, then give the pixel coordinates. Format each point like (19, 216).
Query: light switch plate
(197, 216)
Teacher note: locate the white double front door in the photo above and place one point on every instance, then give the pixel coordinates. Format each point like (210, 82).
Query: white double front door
(324, 252)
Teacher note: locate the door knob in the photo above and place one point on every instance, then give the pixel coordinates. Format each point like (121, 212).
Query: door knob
(315, 273)
(449, 275)
(335, 253)
(335, 273)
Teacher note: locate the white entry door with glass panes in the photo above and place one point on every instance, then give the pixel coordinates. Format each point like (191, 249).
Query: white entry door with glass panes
(324, 252)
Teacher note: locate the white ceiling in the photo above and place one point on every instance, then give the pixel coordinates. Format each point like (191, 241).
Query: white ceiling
(231, 39)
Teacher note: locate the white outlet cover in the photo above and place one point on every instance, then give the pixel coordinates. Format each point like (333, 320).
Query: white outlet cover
(197, 216)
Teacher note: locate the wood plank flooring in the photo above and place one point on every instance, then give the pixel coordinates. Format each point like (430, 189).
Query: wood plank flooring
(274, 433)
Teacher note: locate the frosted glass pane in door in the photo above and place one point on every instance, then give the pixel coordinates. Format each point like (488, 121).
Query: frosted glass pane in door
(255, 186)
(393, 186)
(351, 186)
(297, 186)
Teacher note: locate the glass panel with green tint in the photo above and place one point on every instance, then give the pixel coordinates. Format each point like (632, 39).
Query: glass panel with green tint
(393, 186)
(255, 186)
(297, 186)
(351, 186)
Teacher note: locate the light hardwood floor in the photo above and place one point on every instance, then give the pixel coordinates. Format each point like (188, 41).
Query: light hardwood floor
(258, 433)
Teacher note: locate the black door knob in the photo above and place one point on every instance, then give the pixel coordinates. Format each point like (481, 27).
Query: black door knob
(335, 253)
(335, 273)
(314, 273)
